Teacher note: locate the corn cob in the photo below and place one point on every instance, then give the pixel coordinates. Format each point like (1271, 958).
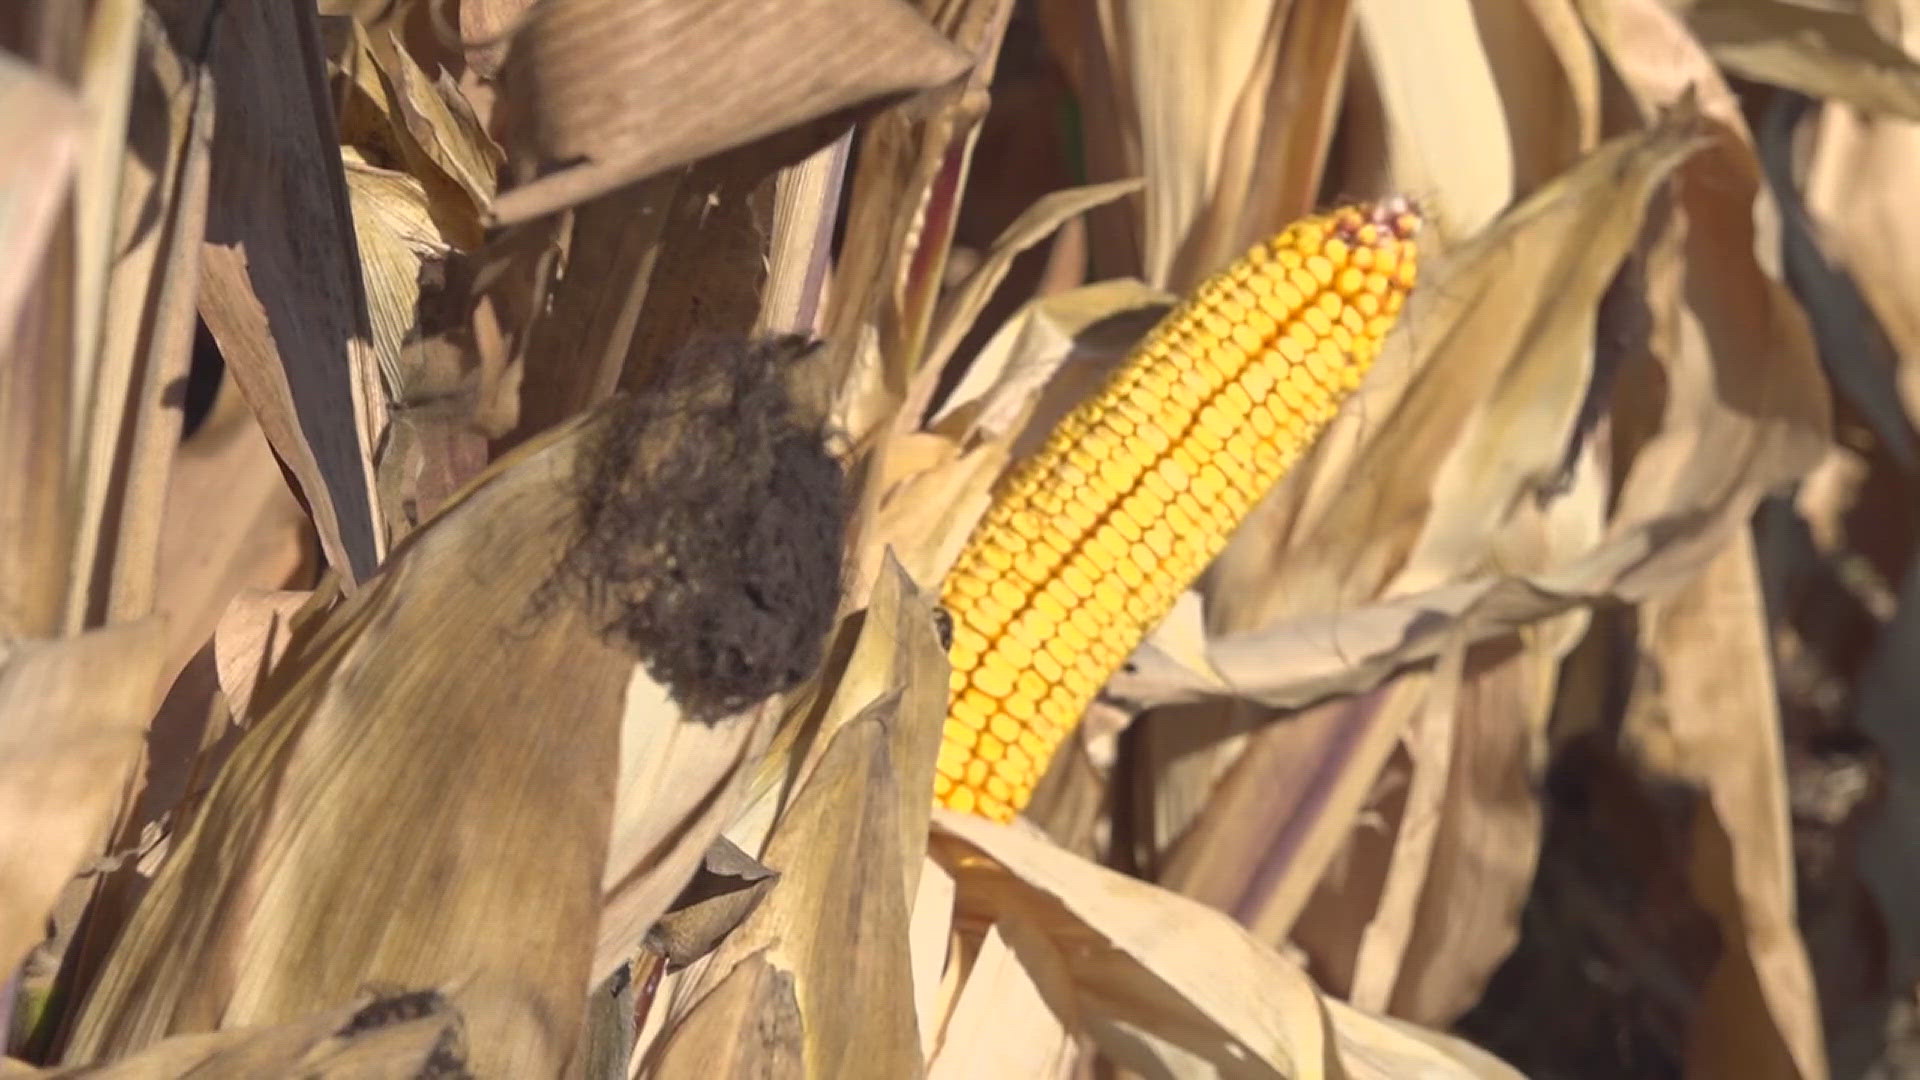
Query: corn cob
(1089, 542)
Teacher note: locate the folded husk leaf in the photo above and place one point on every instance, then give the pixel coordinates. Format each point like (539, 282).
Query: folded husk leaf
(586, 78)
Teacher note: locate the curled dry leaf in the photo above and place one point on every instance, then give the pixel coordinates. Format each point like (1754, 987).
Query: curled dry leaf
(963, 305)
(833, 930)
(1825, 51)
(72, 713)
(1210, 998)
(1708, 714)
(723, 891)
(280, 284)
(590, 80)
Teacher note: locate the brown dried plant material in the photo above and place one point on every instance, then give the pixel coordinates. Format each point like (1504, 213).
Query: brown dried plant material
(615, 91)
(831, 933)
(905, 194)
(1706, 712)
(725, 889)
(72, 713)
(1000, 1025)
(401, 1036)
(895, 654)
(436, 785)
(1210, 999)
(281, 286)
(147, 333)
(1227, 110)
(44, 124)
(1308, 569)
(963, 305)
(1828, 52)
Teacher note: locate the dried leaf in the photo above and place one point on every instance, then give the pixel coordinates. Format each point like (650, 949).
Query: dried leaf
(958, 313)
(252, 639)
(1448, 132)
(725, 889)
(1821, 50)
(1209, 998)
(1001, 1025)
(579, 67)
(71, 716)
(1857, 197)
(489, 797)
(750, 1025)
(45, 124)
(401, 1037)
(835, 927)
(230, 524)
(281, 287)
(1709, 716)
(905, 198)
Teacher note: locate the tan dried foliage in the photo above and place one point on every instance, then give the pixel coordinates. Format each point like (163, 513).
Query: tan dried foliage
(1553, 711)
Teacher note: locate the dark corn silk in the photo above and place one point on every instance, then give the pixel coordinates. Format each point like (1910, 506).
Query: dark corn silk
(1089, 542)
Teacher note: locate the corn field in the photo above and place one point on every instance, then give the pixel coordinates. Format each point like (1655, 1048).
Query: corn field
(1068, 539)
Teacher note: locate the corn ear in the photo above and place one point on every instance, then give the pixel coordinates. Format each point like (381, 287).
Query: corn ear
(1088, 542)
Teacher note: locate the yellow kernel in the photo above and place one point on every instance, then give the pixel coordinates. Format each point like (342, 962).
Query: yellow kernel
(964, 584)
(961, 800)
(997, 789)
(1029, 685)
(1046, 667)
(1076, 579)
(973, 708)
(1007, 593)
(993, 678)
(985, 752)
(995, 556)
(1004, 728)
(1035, 747)
(1321, 268)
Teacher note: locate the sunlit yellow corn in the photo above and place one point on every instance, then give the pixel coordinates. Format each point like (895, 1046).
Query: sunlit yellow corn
(1091, 540)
